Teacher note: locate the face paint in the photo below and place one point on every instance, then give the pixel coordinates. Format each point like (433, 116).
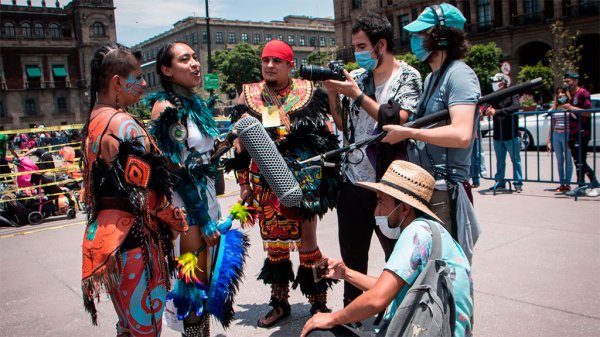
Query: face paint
(133, 86)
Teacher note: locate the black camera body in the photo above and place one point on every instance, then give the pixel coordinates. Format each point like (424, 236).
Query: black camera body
(333, 71)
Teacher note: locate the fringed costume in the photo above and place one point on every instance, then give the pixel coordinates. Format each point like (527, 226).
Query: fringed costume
(185, 132)
(127, 245)
(303, 133)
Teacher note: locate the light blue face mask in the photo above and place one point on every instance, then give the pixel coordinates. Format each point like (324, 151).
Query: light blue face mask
(562, 100)
(364, 59)
(416, 46)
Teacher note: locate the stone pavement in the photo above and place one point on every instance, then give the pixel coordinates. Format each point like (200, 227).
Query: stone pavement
(536, 273)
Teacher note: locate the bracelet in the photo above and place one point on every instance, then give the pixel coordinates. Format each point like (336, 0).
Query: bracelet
(243, 176)
(358, 100)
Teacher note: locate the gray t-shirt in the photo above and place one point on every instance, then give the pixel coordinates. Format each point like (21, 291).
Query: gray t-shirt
(458, 85)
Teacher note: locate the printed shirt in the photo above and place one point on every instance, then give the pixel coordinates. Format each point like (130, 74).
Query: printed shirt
(410, 256)
(404, 86)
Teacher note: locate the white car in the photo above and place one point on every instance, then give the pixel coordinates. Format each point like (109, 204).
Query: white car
(534, 127)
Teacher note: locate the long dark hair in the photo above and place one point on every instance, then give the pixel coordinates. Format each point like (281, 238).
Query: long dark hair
(165, 58)
(457, 44)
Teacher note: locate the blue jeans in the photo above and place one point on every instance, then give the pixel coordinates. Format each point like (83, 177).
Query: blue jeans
(501, 147)
(564, 161)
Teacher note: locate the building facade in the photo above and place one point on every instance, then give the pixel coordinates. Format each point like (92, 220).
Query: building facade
(304, 34)
(45, 59)
(519, 27)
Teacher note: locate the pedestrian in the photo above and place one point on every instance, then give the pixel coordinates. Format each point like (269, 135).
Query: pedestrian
(411, 221)
(294, 113)
(185, 130)
(383, 91)
(127, 244)
(506, 134)
(444, 150)
(558, 137)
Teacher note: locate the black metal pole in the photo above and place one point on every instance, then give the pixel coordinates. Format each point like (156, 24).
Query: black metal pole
(208, 44)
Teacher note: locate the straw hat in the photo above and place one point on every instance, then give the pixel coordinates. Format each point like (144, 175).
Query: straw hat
(408, 183)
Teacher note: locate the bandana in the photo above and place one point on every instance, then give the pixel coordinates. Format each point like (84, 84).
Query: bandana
(279, 49)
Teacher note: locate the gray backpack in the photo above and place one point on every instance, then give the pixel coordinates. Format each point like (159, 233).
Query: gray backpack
(428, 308)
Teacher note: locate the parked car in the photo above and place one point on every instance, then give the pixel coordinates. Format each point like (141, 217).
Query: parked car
(534, 127)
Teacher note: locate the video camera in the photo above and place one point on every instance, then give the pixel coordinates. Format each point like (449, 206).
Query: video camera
(333, 71)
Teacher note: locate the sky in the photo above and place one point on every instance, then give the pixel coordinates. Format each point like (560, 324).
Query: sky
(138, 20)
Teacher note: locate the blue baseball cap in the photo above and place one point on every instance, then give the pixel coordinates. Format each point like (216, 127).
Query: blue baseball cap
(452, 18)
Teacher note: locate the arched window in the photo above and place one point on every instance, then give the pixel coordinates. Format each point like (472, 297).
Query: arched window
(26, 29)
(54, 31)
(8, 29)
(38, 30)
(97, 29)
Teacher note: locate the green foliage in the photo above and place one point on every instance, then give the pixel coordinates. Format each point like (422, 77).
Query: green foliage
(412, 60)
(320, 57)
(141, 110)
(539, 70)
(237, 66)
(351, 66)
(484, 59)
(565, 55)
(527, 101)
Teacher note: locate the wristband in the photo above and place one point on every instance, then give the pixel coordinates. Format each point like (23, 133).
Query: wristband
(358, 100)
(209, 229)
(243, 176)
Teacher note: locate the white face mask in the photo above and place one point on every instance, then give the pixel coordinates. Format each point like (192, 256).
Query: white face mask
(382, 222)
(495, 86)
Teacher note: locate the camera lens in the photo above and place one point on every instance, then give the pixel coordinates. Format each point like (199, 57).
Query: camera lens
(313, 72)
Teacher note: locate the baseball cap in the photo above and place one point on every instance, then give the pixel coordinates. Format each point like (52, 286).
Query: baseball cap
(500, 77)
(572, 74)
(452, 18)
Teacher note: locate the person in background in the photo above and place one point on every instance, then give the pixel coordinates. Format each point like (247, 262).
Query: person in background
(558, 137)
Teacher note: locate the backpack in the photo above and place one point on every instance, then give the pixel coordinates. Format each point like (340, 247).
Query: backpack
(428, 307)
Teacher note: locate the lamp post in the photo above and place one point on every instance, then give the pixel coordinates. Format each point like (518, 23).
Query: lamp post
(208, 46)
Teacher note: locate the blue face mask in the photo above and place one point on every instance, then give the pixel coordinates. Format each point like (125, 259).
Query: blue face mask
(416, 46)
(364, 59)
(562, 100)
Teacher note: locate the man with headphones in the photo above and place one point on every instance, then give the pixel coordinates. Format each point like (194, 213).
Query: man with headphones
(444, 150)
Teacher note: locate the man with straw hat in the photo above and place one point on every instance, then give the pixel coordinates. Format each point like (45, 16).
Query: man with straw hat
(409, 221)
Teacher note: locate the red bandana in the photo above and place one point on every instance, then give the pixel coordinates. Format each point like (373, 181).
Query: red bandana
(279, 49)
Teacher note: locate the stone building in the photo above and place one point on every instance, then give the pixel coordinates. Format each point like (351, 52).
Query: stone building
(45, 59)
(304, 34)
(519, 27)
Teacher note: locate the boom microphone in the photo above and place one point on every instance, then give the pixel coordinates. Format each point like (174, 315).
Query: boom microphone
(270, 163)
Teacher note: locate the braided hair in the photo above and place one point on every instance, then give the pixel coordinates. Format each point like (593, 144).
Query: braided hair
(165, 58)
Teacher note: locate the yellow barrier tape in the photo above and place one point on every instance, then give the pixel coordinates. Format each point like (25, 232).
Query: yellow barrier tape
(42, 229)
(44, 129)
(44, 185)
(32, 197)
(21, 151)
(58, 169)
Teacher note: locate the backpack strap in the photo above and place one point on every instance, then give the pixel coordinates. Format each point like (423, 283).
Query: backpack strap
(436, 243)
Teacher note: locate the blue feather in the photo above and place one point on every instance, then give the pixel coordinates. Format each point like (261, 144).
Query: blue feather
(187, 298)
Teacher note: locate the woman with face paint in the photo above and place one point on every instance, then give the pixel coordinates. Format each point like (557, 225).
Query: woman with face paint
(185, 130)
(445, 149)
(127, 244)
(410, 222)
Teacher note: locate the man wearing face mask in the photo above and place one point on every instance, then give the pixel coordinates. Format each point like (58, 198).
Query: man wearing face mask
(506, 134)
(444, 149)
(384, 91)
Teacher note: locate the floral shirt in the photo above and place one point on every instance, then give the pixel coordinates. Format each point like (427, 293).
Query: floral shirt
(410, 256)
(404, 86)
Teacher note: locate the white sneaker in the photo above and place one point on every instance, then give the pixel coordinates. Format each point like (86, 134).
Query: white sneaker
(592, 192)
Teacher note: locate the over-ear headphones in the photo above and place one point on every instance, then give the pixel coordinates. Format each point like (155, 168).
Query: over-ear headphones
(438, 13)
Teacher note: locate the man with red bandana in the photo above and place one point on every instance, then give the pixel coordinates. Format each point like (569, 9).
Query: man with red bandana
(294, 113)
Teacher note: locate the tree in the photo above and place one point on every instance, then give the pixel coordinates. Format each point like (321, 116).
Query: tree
(237, 66)
(320, 58)
(539, 70)
(410, 58)
(565, 55)
(484, 59)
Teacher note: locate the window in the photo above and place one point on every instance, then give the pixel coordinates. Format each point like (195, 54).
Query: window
(219, 37)
(291, 40)
(296, 65)
(204, 37)
(8, 30)
(231, 38)
(532, 7)
(26, 30)
(2, 112)
(279, 37)
(304, 62)
(54, 31)
(38, 30)
(484, 18)
(195, 38)
(498, 13)
(321, 41)
(466, 10)
(59, 72)
(244, 37)
(30, 107)
(356, 4)
(301, 41)
(66, 31)
(97, 29)
(313, 41)
(256, 39)
(403, 21)
(332, 41)
(33, 72)
(61, 105)
(268, 37)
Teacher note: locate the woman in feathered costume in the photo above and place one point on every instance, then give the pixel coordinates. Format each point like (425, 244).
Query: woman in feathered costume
(127, 244)
(184, 129)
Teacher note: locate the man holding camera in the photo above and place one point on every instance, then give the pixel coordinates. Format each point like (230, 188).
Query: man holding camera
(294, 114)
(384, 91)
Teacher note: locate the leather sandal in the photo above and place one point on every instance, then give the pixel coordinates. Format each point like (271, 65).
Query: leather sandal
(280, 307)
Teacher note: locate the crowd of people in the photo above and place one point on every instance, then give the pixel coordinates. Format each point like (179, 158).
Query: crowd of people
(147, 187)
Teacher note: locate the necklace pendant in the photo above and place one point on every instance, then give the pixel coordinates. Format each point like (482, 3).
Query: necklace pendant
(178, 132)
